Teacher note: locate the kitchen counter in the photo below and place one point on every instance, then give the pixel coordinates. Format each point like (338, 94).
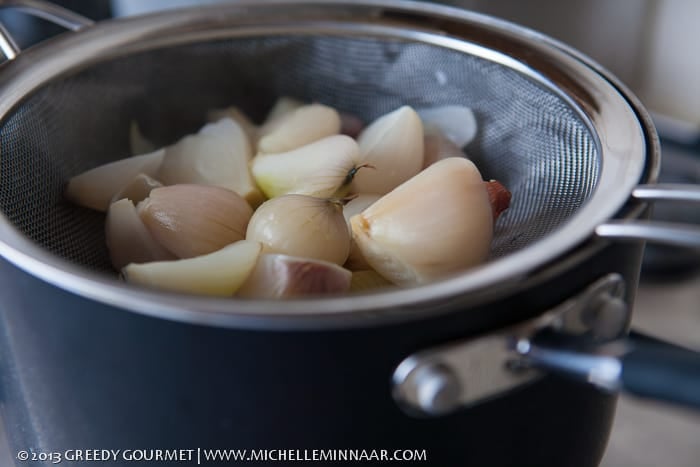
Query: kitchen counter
(647, 434)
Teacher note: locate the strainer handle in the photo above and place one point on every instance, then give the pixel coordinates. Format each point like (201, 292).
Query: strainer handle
(672, 234)
(41, 9)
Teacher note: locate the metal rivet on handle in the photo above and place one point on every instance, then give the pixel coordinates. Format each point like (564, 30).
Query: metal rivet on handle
(611, 317)
(437, 389)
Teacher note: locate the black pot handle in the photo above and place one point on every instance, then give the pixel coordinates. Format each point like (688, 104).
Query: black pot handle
(640, 365)
(583, 338)
(658, 370)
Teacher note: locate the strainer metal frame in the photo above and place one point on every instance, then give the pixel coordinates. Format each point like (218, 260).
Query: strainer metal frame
(625, 138)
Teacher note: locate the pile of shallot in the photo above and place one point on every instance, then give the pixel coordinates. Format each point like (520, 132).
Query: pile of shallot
(308, 203)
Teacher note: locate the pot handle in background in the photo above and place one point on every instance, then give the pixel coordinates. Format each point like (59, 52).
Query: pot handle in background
(653, 368)
(41, 9)
(671, 234)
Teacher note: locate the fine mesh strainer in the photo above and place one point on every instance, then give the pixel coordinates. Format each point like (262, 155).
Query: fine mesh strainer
(565, 140)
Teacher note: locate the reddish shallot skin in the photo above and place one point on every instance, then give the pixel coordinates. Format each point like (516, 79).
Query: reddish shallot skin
(350, 125)
(499, 197)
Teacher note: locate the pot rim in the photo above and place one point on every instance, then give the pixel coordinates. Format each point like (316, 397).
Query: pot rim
(624, 133)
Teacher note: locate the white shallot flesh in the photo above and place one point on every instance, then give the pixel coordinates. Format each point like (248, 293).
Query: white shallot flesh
(437, 223)
(218, 155)
(220, 273)
(323, 168)
(393, 146)
(300, 127)
(356, 205)
(282, 107)
(456, 122)
(235, 114)
(96, 187)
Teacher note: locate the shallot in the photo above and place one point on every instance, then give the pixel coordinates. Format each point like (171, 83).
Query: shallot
(283, 276)
(218, 155)
(128, 240)
(393, 146)
(192, 220)
(96, 187)
(220, 273)
(300, 127)
(318, 169)
(435, 224)
(193, 217)
(304, 226)
(356, 261)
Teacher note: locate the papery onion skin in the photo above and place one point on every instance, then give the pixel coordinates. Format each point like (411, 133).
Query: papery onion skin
(351, 125)
(499, 197)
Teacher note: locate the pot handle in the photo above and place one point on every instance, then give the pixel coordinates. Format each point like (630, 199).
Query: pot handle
(659, 370)
(639, 365)
(583, 337)
(41, 9)
(673, 234)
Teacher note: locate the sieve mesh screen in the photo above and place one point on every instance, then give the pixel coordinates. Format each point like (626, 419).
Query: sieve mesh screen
(529, 138)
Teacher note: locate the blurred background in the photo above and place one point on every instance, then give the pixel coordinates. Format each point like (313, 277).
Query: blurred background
(650, 45)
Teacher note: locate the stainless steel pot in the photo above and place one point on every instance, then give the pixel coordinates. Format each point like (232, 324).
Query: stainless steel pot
(90, 361)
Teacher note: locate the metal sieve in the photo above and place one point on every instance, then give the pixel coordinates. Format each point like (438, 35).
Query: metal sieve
(565, 139)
